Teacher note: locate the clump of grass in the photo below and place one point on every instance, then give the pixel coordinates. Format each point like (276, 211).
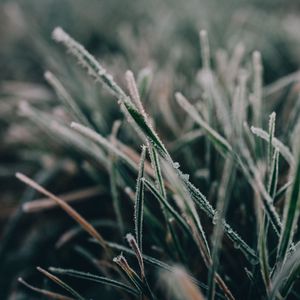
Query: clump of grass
(243, 176)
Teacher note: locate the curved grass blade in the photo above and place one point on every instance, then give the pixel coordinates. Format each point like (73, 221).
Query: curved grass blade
(155, 263)
(179, 285)
(139, 201)
(61, 283)
(94, 278)
(43, 292)
(87, 61)
(133, 277)
(132, 242)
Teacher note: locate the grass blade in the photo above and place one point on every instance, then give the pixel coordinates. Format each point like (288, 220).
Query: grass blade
(291, 214)
(139, 201)
(154, 262)
(66, 207)
(98, 72)
(94, 278)
(66, 98)
(284, 150)
(61, 283)
(286, 274)
(273, 178)
(87, 61)
(165, 204)
(180, 286)
(121, 261)
(223, 200)
(94, 136)
(214, 136)
(272, 119)
(146, 128)
(134, 246)
(43, 292)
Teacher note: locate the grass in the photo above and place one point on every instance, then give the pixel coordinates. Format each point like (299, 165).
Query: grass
(182, 190)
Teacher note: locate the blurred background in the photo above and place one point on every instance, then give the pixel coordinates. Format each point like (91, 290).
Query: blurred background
(141, 35)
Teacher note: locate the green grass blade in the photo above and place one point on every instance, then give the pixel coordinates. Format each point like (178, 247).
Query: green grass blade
(139, 201)
(146, 128)
(157, 170)
(87, 61)
(284, 150)
(115, 194)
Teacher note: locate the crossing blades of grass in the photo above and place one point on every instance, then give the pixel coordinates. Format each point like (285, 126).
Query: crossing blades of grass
(139, 201)
(155, 263)
(140, 284)
(284, 150)
(166, 205)
(98, 72)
